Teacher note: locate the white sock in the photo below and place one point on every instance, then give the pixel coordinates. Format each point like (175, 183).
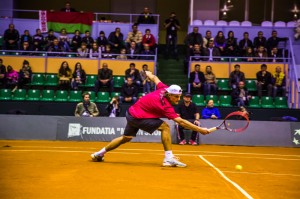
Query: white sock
(169, 154)
(101, 152)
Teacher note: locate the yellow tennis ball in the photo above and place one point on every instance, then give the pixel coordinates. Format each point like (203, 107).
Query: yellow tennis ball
(238, 167)
(228, 124)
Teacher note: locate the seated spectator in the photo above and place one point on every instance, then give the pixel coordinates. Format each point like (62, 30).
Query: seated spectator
(240, 95)
(211, 52)
(210, 112)
(146, 82)
(129, 91)
(146, 17)
(249, 55)
(25, 47)
(64, 76)
(193, 38)
(264, 81)
(210, 86)
(64, 40)
(49, 39)
(132, 51)
(102, 41)
(68, 8)
(231, 46)
(2, 72)
(196, 52)
(134, 74)
(76, 41)
(261, 55)
(83, 51)
(78, 76)
(56, 48)
(115, 39)
(11, 38)
(273, 41)
(107, 54)
(104, 78)
(86, 108)
(122, 54)
(147, 51)
(279, 82)
(11, 78)
(275, 55)
(220, 42)
(95, 51)
(38, 40)
(197, 80)
(26, 37)
(88, 39)
(25, 75)
(136, 36)
(207, 38)
(149, 39)
(113, 108)
(236, 77)
(245, 43)
(260, 40)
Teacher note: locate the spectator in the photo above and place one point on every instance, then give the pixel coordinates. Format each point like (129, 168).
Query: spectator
(26, 37)
(249, 55)
(196, 53)
(275, 55)
(115, 39)
(245, 43)
(64, 75)
(211, 52)
(78, 76)
(86, 108)
(11, 78)
(149, 39)
(264, 81)
(87, 39)
(105, 78)
(231, 46)
(261, 55)
(197, 80)
(76, 41)
(11, 38)
(236, 77)
(188, 111)
(193, 38)
(49, 39)
(135, 35)
(146, 17)
(240, 95)
(273, 41)
(56, 48)
(107, 54)
(132, 51)
(95, 51)
(172, 25)
(113, 108)
(279, 82)
(38, 40)
(68, 8)
(220, 42)
(122, 54)
(210, 86)
(2, 72)
(210, 112)
(133, 74)
(25, 75)
(25, 47)
(129, 91)
(83, 51)
(207, 38)
(145, 79)
(147, 51)
(102, 41)
(260, 40)
(64, 40)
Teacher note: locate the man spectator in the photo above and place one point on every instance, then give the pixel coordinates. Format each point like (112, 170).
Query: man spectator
(146, 17)
(236, 76)
(49, 39)
(245, 43)
(147, 51)
(260, 40)
(273, 41)
(87, 39)
(135, 35)
(171, 25)
(102, 41)
(113, 108)
(104, 78)
(210, 84)
(279, 82)
(11, 38)
(2, 72)
(147, 84)
(264, 81)
(196, 80)
(68, 8)
(193, 38)
(115, 39)
(275, 55)
(261, 55)
(133, 74)
(38, 40)
(240, 95)
(132, 51)
(56, 47)
(188, 111)
(149, 39)
(26, 37)
(86, 108)
(25, 47)
(207, 38)
(129, 91)
(211, 52)
(210, 112)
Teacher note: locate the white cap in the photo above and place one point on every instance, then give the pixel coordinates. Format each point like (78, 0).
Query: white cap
(174, 89)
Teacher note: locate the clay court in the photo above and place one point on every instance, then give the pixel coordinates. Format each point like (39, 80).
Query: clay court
(55, 169)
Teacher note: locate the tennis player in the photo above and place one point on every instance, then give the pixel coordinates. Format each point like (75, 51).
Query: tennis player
(145, 114)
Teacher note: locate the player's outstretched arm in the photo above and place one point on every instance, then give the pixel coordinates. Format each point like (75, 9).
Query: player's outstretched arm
(188, 125)
(152, 77)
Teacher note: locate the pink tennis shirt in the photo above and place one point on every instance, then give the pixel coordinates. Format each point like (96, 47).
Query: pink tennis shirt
(153, 105)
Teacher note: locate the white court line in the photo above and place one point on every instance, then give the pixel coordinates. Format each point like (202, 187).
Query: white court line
(227, 179)
(223, 156)
(273, 174)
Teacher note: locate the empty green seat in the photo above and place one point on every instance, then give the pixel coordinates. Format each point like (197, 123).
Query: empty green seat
(47, 95)
(19, 94)
(223, 85)
(5, 94)
(103, 97)
(38, 80)
(51, 80)
(225, 100)
(61, 96)
(224, 59)
(90, 81)
(250, 85)
(236, 59)
(118, 81)
(281, 102)
(214, 98)
(254, 102)
(267, 102)
(75, 96)
(115, 94)
(92, 96)
(198, 100)
(34, 95)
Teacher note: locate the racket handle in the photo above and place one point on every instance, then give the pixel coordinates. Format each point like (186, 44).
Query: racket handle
(212, 129)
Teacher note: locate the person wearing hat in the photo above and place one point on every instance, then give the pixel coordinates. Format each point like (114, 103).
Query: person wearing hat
(145, 114)
(189, 111)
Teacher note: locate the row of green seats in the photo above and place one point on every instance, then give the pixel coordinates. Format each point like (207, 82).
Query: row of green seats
(223, 85)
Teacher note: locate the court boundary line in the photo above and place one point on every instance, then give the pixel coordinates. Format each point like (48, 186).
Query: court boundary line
(226, 178)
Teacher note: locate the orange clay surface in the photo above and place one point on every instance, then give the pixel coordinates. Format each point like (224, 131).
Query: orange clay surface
(56, 169)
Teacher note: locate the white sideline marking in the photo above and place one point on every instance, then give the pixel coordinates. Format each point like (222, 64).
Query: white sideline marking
(252, 173)
(227, 179)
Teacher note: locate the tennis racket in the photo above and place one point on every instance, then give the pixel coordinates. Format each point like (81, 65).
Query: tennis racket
(234, 122)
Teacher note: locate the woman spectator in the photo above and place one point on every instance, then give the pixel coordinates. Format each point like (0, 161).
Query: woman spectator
(78, 77)
(95, 51)
(11, 77)
(83, 51)
(231, 47)
(249, 55)
(107, 54)
(64, 75)
(220, 42)
(210, 86)
(122, 54)
(64, 40)
(76, 41)
(24, 74)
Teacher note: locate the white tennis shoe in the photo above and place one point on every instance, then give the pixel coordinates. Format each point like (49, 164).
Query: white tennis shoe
(96, 158)
(173, 162)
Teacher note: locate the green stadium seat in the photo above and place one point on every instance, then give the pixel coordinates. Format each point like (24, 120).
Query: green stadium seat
(225, 100)
(47, 95)
(103, 97)
(250, 85)
(1, 41)
(38, 79)
(19, 94)
(75, 96)
(198, 100)
(267, 102)
(214, 98)
(90, 81)
(61, 96)
(224, 59)
(5, 94)
(115, 94)
(236, 59)
(92, 96)
(254, 102)
(51, 80)
(34, 95)
(223, 85)
(118, 81)
(281, 102)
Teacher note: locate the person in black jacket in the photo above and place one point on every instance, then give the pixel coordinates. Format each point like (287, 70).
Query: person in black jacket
(264, 81)
(113, 108)
(129, 91)
(134, 74)
(145, 17)
(78, 76)
(240, 95)
(197, 79)
(235, 77)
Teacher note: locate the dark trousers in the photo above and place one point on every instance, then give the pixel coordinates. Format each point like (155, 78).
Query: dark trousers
(171, 45)
(109, 84)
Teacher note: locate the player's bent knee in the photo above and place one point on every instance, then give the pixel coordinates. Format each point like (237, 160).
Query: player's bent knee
(126, 139)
